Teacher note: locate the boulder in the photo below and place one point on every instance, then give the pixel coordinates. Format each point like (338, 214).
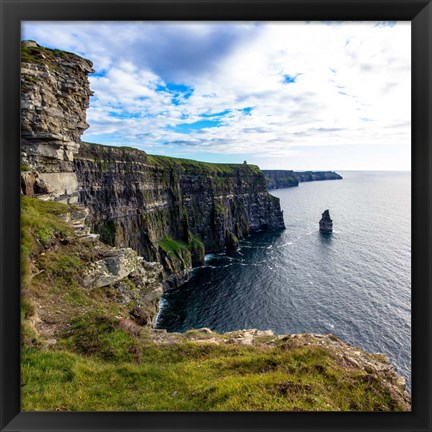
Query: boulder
(107, 271)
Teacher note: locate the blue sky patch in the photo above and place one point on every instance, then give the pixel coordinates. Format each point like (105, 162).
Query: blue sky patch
(99, 74)
(289, 79)
(193, 127)
(124, 115)
(217, 114)
(246, 110)
(179, 92)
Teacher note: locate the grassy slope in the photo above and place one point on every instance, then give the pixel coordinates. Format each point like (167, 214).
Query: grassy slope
(101, 362)
(43, 56)
(195, 377)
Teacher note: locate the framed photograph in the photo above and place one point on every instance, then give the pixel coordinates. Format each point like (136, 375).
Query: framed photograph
(216, 215)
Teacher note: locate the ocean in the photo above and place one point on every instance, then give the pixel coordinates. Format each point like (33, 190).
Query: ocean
(354, 283)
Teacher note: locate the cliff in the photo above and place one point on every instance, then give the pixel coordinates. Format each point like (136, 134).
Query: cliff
(306, 176)
(55, 94)
(172, 210)
(168, 210)
(277, 179)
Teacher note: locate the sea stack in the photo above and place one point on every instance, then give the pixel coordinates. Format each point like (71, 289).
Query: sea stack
(326, 224)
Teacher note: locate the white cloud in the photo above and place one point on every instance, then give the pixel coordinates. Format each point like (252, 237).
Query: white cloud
(352, 86)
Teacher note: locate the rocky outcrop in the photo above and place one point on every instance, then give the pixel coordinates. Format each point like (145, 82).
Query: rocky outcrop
(172, 210)
(123, 274)
(132, 280)
(54, 97)
(326, 224)
(32, 184)
(118, 264)
(277, 179)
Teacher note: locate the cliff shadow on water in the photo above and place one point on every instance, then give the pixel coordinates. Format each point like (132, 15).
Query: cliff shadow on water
(224, 294)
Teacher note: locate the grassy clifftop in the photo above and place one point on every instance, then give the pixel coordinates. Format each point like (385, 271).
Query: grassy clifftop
(166, 162)
(81, 351)
(197, 166)
(31, 52)
(195, 375)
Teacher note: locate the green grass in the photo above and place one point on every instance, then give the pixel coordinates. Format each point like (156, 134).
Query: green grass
(198, 377)
(178, 253)
(101, 336)
(184, 254)
(179, 164)
(129, 148)
(43, 56)
(173, 247)
(39, 220)
(39, 225)
(27, 309)
(197, 244)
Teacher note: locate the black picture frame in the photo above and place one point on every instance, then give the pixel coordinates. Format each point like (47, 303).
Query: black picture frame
(419, 12)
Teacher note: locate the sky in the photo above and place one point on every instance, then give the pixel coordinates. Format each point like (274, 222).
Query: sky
(282, 95)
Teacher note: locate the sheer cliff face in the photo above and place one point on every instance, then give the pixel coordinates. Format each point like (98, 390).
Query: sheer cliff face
(172, 210)
(280, 179)
(169, 210)
(55, 94)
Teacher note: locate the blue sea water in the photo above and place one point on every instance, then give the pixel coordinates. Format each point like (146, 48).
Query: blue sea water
(354, 283)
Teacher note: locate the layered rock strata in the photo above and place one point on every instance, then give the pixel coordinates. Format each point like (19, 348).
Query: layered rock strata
(54, 97)
(172, 210)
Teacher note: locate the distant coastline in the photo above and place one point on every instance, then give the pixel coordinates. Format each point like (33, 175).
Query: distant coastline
(288, 178)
